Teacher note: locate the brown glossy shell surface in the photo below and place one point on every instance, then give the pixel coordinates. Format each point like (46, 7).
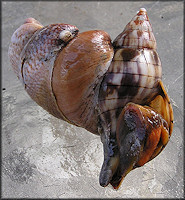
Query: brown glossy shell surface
(78, 72)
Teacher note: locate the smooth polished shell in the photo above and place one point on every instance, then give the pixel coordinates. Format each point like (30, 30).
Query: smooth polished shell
(77, 75)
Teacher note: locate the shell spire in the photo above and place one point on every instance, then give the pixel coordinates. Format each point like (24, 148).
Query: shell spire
(137, 33)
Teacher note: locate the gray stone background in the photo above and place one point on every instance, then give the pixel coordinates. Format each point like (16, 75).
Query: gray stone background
(44, 157)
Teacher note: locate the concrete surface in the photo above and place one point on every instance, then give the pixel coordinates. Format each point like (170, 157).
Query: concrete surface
(44, 157)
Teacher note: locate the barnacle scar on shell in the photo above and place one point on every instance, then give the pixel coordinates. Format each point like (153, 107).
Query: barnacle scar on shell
(110, 89)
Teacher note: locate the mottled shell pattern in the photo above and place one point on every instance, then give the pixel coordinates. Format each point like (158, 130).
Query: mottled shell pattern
(110, 89)
(34, 59)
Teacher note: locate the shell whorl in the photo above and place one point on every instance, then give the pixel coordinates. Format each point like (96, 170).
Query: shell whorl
(38, 59)
(137, 33)
(78, 72)
(35, 59)
(19, 40)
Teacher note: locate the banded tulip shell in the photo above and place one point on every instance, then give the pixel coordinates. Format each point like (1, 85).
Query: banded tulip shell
(110, 89)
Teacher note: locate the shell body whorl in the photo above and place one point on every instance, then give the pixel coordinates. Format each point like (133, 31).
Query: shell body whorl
(78, 72)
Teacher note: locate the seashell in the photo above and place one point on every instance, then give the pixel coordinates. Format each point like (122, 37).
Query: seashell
(133, 76)
(110, 89)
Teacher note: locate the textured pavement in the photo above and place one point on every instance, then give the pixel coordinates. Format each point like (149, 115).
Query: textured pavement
(44, 157)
